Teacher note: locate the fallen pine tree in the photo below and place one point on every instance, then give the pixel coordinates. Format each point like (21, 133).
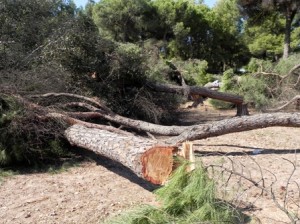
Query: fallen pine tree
(149, 158)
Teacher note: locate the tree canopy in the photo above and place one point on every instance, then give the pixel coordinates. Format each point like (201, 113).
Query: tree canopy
(258, 11)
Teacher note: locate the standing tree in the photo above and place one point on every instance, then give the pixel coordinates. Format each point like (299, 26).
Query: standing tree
(258, 9)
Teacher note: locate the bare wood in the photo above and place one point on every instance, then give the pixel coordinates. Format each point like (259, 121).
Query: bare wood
(143, 156)
(295, 99)
(187, 152)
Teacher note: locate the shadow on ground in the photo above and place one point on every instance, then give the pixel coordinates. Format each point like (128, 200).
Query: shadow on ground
(254, 150)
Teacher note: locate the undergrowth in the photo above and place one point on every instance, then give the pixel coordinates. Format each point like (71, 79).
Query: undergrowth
(24, 139)
(187, 198)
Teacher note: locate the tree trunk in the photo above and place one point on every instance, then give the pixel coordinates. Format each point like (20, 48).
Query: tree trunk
(153, 160)
(144, 157)
(242, 109)
(287, 35)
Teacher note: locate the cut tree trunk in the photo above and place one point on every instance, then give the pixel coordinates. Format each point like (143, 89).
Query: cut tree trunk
(242, 109)
(145, 157)
(153, 160)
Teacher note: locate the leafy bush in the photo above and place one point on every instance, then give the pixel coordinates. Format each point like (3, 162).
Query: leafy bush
(187, 198)
(259, 65)
(253, 90)
(194, 71)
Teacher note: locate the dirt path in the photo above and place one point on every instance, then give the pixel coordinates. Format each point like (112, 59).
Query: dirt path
(85, 194)
(100, 188)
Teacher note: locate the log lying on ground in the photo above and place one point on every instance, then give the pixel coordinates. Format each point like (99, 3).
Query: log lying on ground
(153, 160)
(205, 92)
(144, 157)
(237, 124)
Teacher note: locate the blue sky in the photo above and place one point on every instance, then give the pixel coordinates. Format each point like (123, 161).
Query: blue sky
(82, 3)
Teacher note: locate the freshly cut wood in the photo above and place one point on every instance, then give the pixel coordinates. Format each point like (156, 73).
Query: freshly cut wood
(145, 157)
(187, 152)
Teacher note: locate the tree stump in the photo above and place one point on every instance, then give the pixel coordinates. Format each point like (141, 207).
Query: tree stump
(242, 109)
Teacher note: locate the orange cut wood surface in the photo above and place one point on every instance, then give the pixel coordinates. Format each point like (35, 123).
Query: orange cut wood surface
(157, 164)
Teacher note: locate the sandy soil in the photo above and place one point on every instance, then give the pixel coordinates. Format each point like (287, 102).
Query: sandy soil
(99, 188)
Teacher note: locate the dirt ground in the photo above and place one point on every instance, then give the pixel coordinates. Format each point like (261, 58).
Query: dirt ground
(99, 188)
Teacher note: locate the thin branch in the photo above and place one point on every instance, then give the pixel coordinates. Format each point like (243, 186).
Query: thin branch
(285, 105)
(288, 181)
(94, 100)
(72, 121)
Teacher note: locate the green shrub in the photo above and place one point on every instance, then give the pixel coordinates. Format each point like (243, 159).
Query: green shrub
(259, 65)
(253, 90)
(193, 71)
(285, 65)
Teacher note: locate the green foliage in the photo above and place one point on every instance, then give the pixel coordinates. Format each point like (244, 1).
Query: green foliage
(285, 65)
(23, 138)
(265, 39)
(228, 82)
(259, 65)
(270, 23)
(5, 173)
(194, 71)
(78, 47)
(24, 26)
(186, 198)
(253, 90)
(122, 20)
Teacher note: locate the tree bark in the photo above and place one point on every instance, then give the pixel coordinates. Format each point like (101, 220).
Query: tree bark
(148, 158)
(169, 88)
(237, 124)
(144, 157)
(153, 160)
(289, 16)
(242, 109)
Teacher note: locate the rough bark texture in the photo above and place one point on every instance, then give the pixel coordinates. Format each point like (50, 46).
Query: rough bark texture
(242, 109)
(152, 160)
(237, 124)
(143, 156)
